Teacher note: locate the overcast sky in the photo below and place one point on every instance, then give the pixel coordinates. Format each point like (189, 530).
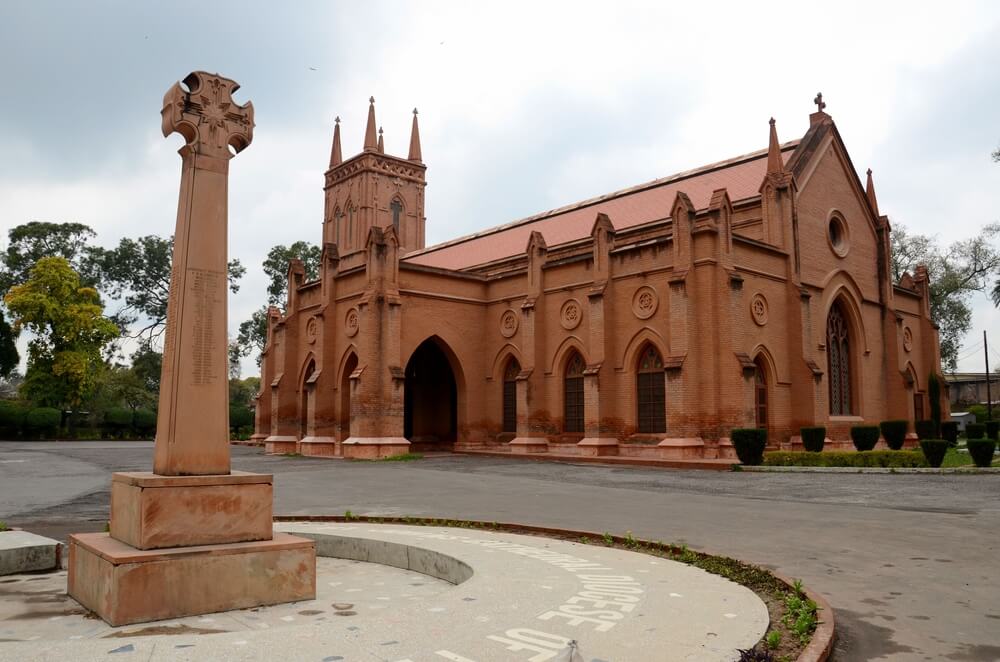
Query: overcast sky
(523, 106)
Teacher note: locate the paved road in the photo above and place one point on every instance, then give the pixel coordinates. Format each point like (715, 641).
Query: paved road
(908, 561)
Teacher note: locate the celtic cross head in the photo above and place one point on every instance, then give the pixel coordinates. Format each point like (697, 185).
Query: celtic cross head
(206, 115)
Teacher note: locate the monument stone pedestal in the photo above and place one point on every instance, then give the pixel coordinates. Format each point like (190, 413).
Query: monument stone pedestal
(193, 536)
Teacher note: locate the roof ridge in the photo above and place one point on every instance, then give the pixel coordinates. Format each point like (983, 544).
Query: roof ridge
(669, 179)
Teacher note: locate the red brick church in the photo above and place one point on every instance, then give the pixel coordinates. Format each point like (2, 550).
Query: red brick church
(648, 322)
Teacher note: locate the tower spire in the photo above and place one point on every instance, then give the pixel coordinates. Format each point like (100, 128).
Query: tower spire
(415, 140)
(774, 161)
(370, 140)
(335, 157)
(381, 142)
(870, 192)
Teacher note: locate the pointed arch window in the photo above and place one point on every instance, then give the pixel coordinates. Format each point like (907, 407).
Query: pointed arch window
(650, 392)
(760, 393)
(397, 212)
(510, 374)
(573, 394)
(350, 223)
(338, 215)
(838, 349)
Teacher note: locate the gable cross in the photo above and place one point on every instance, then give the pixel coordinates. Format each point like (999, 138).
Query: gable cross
(820, 104)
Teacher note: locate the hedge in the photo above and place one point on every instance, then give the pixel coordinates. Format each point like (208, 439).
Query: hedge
(813, 439)
(12, 416)
(949, 430)
(934, 450)
(992, 430)
(43, 420)
(749, 444)
(239, 417)
(975, 431)
(864, 436)
(926, 429)
(894, 433)
(981, 451)
(144, 420)
(892, 459)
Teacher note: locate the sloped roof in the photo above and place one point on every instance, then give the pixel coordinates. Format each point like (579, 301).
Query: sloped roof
(651, 201)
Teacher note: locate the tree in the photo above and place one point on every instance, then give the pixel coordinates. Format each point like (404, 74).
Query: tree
(253, 332)
(956, 273)
(33, 241)
(9, 358)
(69, 331)
(137, 272)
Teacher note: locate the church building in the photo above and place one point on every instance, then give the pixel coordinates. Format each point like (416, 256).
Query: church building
(648, 322)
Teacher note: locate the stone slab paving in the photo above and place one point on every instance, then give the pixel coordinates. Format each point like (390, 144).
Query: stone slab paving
(517, 598)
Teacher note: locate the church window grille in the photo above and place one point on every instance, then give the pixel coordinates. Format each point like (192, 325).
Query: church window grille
(573, 394)
(397, 210)
(510, 395)
(838, 347)
(651, 392)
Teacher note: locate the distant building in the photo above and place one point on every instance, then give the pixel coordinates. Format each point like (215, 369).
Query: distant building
(754, 292)
(969, 388)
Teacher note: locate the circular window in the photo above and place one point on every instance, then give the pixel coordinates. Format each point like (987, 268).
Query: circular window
(837, 234)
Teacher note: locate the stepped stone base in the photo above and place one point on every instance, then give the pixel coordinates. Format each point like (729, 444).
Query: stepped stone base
(528, 445)
(598, 446)
(124, 585)
(276, 445)
(682, 449)
(149, 511)
(318, 447)
(373, 448)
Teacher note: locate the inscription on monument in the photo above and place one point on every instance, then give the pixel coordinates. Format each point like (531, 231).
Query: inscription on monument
(205, 289)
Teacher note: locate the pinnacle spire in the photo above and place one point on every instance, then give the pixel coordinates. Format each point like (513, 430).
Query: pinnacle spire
(870, 192)
(415, 140)
(335, 157)
(774, 161)
(370, 140)
(381, 142)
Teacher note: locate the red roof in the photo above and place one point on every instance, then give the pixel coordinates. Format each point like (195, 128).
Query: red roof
(741, 176)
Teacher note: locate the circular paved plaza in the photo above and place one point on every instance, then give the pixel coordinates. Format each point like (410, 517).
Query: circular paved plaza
(905, 560)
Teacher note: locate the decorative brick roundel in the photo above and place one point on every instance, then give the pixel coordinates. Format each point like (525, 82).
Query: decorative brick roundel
(351, 322)
(312, 330)
(508, 323)
(907, 339)
(644, 302)
(570, 314)
(758, 309)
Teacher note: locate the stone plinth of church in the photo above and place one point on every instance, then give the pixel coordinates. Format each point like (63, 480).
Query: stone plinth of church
(193, 536)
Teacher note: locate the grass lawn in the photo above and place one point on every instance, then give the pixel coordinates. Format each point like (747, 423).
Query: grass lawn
(955, 459)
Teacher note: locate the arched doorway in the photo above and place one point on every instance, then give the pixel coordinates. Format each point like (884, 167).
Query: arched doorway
(345, 397)
(430, 397)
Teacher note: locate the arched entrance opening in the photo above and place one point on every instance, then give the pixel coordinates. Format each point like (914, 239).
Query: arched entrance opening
(430, 398)
(345, 397)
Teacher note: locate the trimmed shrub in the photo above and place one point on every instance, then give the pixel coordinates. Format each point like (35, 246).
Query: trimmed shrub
(992, 430)
(926, 429)
(144, 421)
(949, 430)
(975, 431)
(981, 451)
(749, 444)
(813, 439)
(12, 418)
(894, 433)
(888, 459)
(43, 421)
(117, 420)
(934, 450)
(864, 436)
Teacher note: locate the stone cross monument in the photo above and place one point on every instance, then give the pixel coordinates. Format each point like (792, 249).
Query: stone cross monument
(192, 439)
(192, 536)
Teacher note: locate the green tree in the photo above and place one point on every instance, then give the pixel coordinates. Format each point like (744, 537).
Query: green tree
(32, 241)
(9, 358)
(253, 332)
(69, 331)
(956, 273)
(137, 273)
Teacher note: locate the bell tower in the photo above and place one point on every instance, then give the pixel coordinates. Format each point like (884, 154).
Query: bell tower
(374, 189)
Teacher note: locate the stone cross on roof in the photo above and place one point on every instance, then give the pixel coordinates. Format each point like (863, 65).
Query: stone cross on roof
(820, 104)
(206, 115)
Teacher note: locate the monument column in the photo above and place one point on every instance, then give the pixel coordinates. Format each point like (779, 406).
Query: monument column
(193, 537)
(192, 439)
